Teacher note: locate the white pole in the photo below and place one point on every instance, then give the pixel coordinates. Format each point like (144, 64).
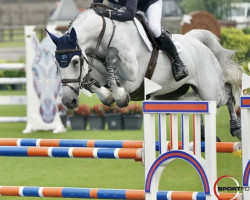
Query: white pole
(12, 81)
(12, 66)
(245, 140)
(149, 150)
(162, 133)
(210, 146)
(30, 54)
(174, 134)
(185, 133)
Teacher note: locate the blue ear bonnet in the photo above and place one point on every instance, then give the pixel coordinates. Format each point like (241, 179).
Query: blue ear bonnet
(66, 43)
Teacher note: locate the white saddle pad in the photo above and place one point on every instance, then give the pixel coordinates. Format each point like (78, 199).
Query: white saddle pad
(144, 37)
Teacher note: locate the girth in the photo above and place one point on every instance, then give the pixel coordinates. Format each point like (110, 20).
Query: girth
(138, 94)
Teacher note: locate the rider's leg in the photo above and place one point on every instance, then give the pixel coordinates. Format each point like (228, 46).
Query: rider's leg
(178, 68)
(163, 39)
(153, 14)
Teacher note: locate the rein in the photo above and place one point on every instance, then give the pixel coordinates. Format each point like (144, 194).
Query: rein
(83, 58)
(100, 38)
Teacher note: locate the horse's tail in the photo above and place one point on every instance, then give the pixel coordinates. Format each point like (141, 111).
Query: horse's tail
(231, 70)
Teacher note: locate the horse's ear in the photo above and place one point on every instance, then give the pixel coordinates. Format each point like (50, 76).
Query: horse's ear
(53, 37)
(73, 35)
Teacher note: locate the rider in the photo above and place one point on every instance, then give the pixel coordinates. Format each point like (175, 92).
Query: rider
(153, 12)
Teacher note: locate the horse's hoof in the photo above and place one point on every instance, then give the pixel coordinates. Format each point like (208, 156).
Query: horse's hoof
(108, 101)
(106, 96)
(218, 139)
(124, 101)
(237, 134)
(235, 128)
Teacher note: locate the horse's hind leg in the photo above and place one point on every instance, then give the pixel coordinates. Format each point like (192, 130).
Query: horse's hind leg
(193, 96)
(235, 122)
(119, 93)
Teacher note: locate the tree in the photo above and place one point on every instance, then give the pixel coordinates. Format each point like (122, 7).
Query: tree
(191, 5)
(219, 8)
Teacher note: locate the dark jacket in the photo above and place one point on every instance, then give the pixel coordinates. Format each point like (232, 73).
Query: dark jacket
(131, 7)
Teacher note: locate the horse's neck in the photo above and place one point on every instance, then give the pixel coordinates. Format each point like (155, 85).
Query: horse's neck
(89, 25)
(126, 39)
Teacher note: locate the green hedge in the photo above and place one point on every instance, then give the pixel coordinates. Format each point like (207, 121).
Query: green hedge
(246, 30)
(236, 39)
(12, 73)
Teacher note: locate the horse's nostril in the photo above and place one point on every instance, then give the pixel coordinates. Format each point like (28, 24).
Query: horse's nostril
(74, 101)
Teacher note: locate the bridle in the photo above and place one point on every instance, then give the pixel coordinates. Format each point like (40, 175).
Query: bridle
(82, 59)
(65, 82)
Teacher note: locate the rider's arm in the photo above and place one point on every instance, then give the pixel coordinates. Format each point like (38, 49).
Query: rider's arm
(128, 14)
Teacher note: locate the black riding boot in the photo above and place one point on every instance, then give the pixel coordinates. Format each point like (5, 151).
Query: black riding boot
(178, 68)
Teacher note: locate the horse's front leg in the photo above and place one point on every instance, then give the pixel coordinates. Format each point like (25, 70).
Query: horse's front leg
(119, 93)
(104, 94)
(92, 85)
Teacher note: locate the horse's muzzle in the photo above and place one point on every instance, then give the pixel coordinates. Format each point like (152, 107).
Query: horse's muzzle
(70, 103)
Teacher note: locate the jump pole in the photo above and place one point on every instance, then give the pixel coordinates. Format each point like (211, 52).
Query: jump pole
(93, 193)
(222, 147)
(154, 166)
(64, 152)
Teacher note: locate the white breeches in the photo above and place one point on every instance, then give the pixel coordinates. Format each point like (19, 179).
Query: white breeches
(153, 15)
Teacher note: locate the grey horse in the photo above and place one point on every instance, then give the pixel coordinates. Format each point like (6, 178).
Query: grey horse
(113, 63)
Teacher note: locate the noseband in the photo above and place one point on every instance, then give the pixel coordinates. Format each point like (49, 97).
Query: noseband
(65, 82)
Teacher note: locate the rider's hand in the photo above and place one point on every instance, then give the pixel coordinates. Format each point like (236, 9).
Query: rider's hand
(102, 11)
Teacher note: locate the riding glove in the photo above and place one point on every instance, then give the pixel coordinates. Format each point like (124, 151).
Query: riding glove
(102, 11)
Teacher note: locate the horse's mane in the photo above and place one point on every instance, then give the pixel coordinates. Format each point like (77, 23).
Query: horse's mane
(77, 16)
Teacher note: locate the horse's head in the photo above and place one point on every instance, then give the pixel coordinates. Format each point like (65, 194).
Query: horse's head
(72, 65)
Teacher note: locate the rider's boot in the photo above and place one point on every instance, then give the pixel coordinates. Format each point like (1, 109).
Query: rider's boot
(178, 68)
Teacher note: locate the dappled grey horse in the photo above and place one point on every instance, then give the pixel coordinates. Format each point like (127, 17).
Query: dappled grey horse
(110, 59)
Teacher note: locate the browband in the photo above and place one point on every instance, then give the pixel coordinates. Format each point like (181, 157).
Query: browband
(68, 51)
